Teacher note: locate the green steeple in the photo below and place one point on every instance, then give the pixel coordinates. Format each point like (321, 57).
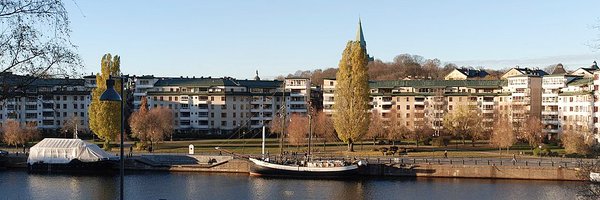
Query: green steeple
(359, 35)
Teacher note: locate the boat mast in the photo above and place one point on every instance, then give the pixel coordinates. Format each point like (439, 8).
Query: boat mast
(283, 114)
(263, 141)
(309, 135)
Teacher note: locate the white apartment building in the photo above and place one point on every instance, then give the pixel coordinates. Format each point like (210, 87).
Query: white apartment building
(49, 103)
(576, 109)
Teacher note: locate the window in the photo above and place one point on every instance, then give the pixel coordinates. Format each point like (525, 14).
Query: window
(407, 115)
(234, 115)
(223, 98)
(65, 106)
(450, 99)
(223, 115)
(407, 107)
(81, 114)
(74, 106)
(450, 107)
(64, 98)
(223, 123)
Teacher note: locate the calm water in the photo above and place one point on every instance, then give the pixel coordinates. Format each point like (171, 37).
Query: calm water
(154, 185)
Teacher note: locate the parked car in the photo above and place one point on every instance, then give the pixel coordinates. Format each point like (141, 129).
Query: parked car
(3, 153)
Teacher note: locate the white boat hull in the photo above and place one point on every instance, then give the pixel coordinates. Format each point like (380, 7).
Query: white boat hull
(263, 168)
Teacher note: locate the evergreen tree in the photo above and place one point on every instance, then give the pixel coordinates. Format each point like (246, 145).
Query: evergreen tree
(105, 116)
(352, 116)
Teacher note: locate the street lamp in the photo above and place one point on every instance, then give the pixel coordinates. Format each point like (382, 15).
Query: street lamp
(110, 94)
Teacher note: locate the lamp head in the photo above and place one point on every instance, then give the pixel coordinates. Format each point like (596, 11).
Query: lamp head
(110, 94)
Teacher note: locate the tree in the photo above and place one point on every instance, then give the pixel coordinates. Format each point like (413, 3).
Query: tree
(71, 125)
(153, 125)
(276, 124)
(297, 129)
(395, 129)
(324, 128)
(376, 127)
(351, 116)
(577, 139)
(421, 132)
(576, 143)
(14, 134)
(463, 122)
(35, 42)
(532, 131)
(503, 135)
(105, 116)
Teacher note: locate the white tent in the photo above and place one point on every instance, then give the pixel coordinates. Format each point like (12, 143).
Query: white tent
(62, 151)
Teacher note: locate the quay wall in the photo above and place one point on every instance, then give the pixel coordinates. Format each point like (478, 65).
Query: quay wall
(475, 171)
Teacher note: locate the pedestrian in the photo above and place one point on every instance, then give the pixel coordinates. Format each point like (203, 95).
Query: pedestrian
(446, 154)
(220, 153)
(514, 159)
(130, 150)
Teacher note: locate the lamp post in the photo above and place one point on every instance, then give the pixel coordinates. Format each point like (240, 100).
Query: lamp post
(110, 94)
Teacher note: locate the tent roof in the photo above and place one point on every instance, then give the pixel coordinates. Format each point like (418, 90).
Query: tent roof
(58, 150)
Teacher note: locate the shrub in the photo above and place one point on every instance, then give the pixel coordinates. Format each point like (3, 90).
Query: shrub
(383, 150)
(440, 141)
(544, 151)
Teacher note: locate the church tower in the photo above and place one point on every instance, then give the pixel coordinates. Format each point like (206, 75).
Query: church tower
(360, 37)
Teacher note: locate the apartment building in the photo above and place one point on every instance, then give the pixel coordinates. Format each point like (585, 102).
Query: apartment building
(576, 109)
(48, 103)
(417, 102)
(222, 105)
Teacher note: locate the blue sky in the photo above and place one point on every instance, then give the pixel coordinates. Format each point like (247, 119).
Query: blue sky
(235, 38)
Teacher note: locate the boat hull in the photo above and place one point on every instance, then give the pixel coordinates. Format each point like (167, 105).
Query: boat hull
(75, 166)
(261, 168)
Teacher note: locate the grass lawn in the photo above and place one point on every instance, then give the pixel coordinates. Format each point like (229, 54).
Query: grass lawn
(253, 146)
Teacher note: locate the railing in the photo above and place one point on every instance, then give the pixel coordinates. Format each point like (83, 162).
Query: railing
(530, 162)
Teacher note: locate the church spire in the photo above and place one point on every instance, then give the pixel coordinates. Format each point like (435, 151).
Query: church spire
(359, 35)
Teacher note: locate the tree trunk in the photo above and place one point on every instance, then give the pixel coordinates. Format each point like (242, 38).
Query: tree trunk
(324, 144)
(473, 142)
(417, 143)
(463, 140)
(106, 146)
(350, 146)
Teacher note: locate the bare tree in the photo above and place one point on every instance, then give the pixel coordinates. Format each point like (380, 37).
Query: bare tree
(376, 127)
(71, 125)
(422, 131)
(503, 135)
(14, 134)
(577, 139)
(153, 125)
(323, 128)
(297, 129)
(532, 131)
(35, 41)
(395, 129)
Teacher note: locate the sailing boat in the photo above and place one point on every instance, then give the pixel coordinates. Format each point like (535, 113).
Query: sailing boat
(305, 168)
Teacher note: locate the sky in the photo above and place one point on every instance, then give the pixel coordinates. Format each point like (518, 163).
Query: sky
(235, 38)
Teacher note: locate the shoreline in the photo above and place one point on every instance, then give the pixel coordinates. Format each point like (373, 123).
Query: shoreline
(229, 164)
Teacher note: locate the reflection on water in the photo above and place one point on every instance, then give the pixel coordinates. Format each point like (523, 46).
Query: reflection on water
(154, 185)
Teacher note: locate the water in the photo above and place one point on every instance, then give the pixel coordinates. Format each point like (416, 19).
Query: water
(159, 185)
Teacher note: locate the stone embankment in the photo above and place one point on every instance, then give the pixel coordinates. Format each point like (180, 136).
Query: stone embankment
(457, 170)
(559, 171)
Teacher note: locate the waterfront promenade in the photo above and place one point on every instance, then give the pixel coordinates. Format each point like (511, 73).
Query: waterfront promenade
(494, 168)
